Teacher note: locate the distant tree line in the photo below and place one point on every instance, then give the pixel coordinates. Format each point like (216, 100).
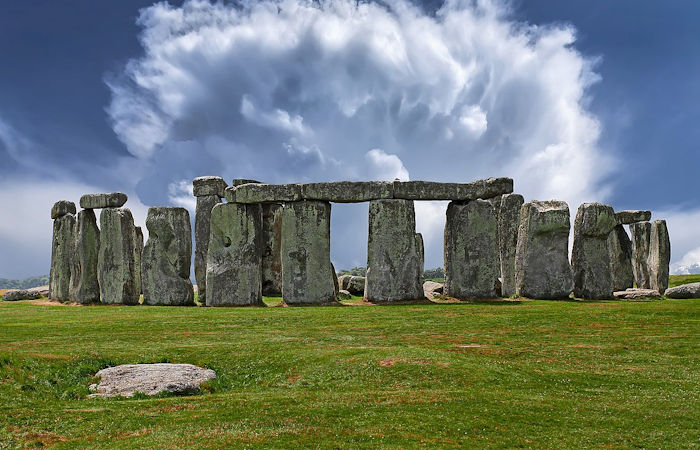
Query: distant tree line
(28, 283)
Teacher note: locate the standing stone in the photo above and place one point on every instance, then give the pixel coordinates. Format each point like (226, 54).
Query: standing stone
(508, 222)
(138, 257)
(116, 265)
(542, 268)
(620, 248)
(306, 263)
(62, 248)
(209, 192)
(472, 263)
(394, 252)
(590, 259)
(659, 256)
(343, 282)
(165, 266)
(234, 259)
(641, 235)
(272, 246)
(84, 287)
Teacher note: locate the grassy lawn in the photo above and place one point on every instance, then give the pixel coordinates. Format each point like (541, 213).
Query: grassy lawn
(507, 374)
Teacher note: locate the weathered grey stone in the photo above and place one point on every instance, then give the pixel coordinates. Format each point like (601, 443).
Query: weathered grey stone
(641, 235)
(632, 293)
(116, 265)
(96, 201)
(336, 286)
(690, 290)
(138, 257)
(272, 248)
(344, 294)
(508, 222)
(394, 253)
(61, 208)
(356, 285)
(431, 190)
(344, 281)
(590, 258)
(61, 257)
(632, 216)
(150, 379)
(165, 265)
(348, 191)
(263, 193)
(659, 256)
(306, 263)
(21, 294)
(240, 181)
(472, 263)
(542, 268)
(202, 225)
(84, 287)
(620, 248)
(234, 259)
(209, 185)
(432, 289)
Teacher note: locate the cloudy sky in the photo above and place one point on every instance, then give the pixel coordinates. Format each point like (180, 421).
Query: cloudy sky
(577, 100)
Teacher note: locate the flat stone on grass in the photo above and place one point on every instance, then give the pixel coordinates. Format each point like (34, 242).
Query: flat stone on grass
(150, 379)
(690, 290)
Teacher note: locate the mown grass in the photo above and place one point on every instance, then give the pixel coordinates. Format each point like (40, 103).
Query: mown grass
(504, 374)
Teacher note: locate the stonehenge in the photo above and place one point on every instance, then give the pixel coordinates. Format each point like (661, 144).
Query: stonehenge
(270, 240)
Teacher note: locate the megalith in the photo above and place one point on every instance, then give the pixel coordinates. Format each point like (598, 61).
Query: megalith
(306, 263)
(542, 268)
(620, 249)
(234, 258)
(138, 256)
(471, 254)
(272, 247)
(209, 191)
(659, 256)
(394, 252)
(62, 247)
(116, 265)
(84, 287)
(165, 262)
(590, 258)
(508, 222)
(641, 235)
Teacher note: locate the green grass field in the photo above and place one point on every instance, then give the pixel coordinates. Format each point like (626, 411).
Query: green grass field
(504, 374)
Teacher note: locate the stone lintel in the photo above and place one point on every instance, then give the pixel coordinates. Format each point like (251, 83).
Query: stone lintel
(96, 201)
(348, 191)
(209, 185)
(632, 216)
(263, 193)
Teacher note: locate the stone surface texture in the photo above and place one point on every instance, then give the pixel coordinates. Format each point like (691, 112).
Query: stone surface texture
(96, 201)
(356, 285)
(138, 257)
(641, 235)
(344, 294)
(508, 222)
(394, 253)
(61, 208)
(165, 263)
(620, 249)
(307, 273)
(590, 258)
(116, 263)
(202, 225)
(348, 191)
(14, 295)
(432, 289)
(209, 185)
(84, 287)
(432, 190)
(62, 248)
(472, 263)
(633, 293)
(150, 379)
(690, 290)
(631, 216)
(263, 193)
(542, 268)
(234, 260)
(659, 256)
(272, 248)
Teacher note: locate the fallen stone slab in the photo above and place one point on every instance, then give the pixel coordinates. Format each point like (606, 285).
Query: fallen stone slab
(344, 294)
(633, 293)
(432, 289)
(61, 208)
(348, 191)
(631, 216)
(96, 201)
(150, 379)
(432, 190)
(690, 290)
(263, 193)
(209, 185)
(21, 294)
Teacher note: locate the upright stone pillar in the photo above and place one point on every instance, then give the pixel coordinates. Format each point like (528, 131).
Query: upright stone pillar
(116, 264)
(590, 259)
(508, 222)
(209, 192)
(272, 246)
(138, 257)
(84, 287)
(62, 247)
(620, 249)
(234, 259)
(165, 266)
(542, 268)
(394, 253)
(641, 235)
(659, 256)
(307, 276)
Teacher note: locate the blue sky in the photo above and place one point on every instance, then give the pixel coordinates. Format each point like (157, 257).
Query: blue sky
(581, 101)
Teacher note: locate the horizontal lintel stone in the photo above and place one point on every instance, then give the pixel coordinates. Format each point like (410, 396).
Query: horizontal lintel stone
(632, 216)
(240, 181)
(96, 201)
(263, 193)
(432, 190)
(209, 185)
(348, 191)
